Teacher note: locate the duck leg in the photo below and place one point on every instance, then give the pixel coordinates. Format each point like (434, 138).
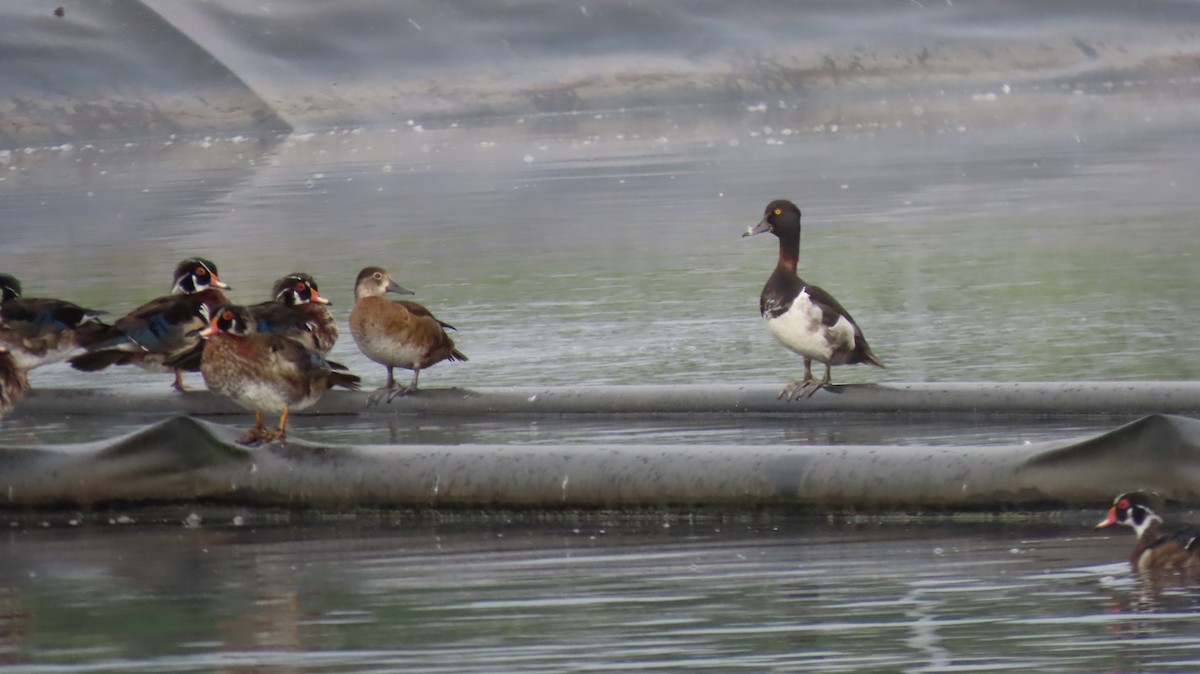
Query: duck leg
(256, 434)
(806, 387)
(388, 390)
(397, 391)
(280, 433)
(178, 385)
(401, 391)
(827, 381)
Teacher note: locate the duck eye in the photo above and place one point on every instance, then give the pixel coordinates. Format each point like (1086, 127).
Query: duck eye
(1122, 504)
(299, 285)
(778, 211)
(227, 316)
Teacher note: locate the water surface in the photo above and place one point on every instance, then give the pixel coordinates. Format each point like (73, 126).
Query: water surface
(655, 593)
(608, 251)
(996, 235)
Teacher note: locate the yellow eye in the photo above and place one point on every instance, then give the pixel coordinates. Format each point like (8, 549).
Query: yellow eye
(778, 211)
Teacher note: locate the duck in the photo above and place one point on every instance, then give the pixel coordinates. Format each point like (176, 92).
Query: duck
(165, 329)
(396, 333)
(10, 288)
(264, 372)
(14, 382)
(40, 331)
(806, 319)
(297, 310)
(1155, 549)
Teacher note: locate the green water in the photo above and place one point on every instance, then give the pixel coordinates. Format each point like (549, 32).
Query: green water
(609, 251)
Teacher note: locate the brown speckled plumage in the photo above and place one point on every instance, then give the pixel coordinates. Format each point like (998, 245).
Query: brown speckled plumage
(13, 383)
(396, 333)
(264, 372)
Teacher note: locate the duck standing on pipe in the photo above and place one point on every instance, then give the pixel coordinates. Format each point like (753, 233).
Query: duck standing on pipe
(804, 318)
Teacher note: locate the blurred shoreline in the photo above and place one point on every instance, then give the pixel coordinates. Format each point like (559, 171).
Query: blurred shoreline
(130, 69)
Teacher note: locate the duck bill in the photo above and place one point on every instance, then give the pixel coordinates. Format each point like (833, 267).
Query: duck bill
(218, 283)
(316, 298)
(761, 227)
(208, 330)
(1109, 520)
(393, 287)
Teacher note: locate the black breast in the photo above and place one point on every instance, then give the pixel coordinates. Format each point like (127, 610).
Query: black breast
(780, 291)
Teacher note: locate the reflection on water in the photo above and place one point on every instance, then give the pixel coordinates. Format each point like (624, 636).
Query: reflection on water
(639, 594)
(583, 429)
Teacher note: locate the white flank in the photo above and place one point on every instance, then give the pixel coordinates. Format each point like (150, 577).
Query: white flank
(800, 329)
(25, 361)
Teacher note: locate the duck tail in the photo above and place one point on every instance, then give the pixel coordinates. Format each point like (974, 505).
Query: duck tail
(871, 359)
(94, 361)
(455, 354)
(344, 380)
(864, 354)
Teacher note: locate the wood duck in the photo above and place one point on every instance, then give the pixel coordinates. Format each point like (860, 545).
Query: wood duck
(164, 329)
(299, 312)
(804, 318)
(10, 288)
(14, 382)
(264, 372)
(37, 331)
(396, 333)
(1154, 549)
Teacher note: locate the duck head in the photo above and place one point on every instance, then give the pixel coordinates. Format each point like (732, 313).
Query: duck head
(780, 216)
(1132, 509)
(375, 282)
(229, 319)
(194, 275)
(298, 288)
(10, 287)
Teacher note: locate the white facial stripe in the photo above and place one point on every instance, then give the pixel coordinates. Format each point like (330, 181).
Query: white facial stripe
(1140, 528)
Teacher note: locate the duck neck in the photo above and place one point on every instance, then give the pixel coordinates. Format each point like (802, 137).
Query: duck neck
(212, 297)
(1148, 529)
(789, 249)
(1147, 532)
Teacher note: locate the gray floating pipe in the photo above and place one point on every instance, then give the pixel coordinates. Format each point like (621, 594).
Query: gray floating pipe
(926, 398)
(183, 459)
